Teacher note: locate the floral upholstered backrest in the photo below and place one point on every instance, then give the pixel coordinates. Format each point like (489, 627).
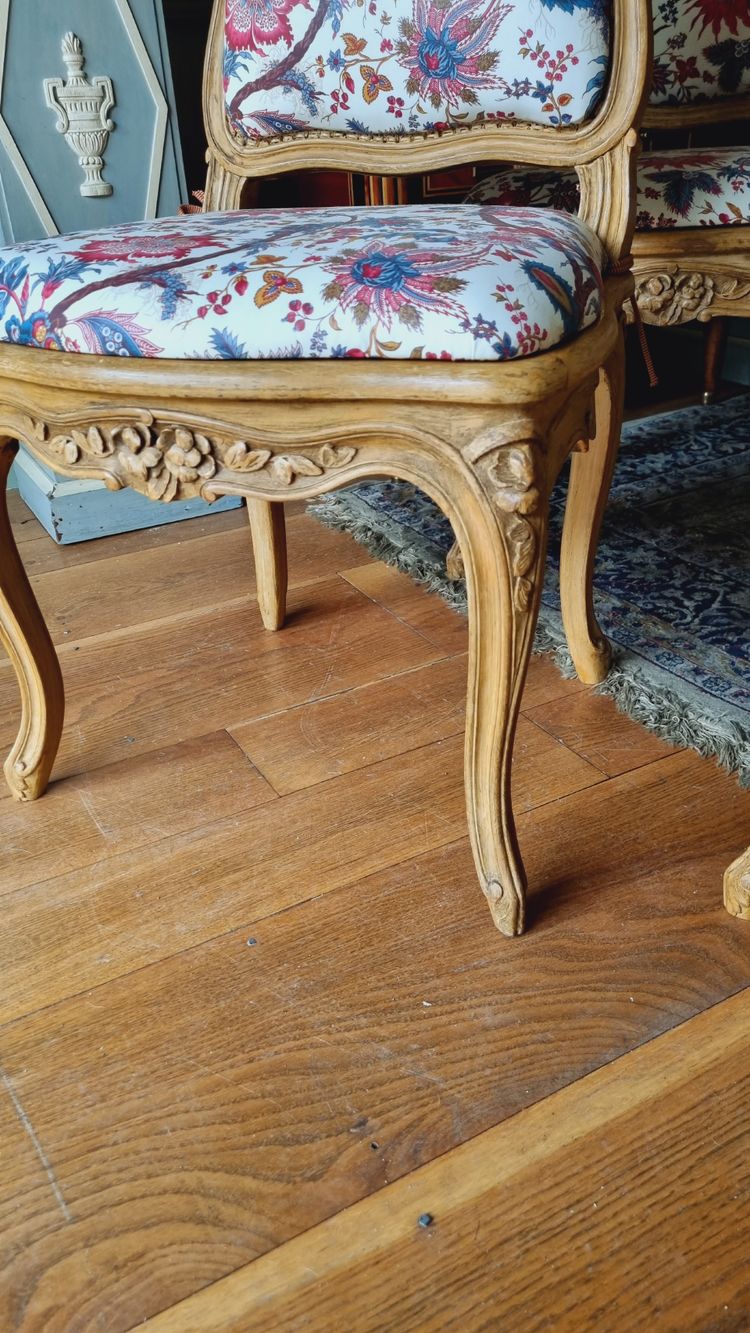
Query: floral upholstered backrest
(701, 50)
(397, 67)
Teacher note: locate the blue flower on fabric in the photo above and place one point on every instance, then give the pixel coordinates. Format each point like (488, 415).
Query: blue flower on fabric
(379, 270)
(395, 283)
(438, 55)
(34, 331)
(335, 61)
(447, 49)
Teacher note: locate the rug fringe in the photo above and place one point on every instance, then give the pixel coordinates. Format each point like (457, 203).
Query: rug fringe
(656, 708)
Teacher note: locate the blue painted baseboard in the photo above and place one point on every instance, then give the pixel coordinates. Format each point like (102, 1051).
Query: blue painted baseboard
(79, 511)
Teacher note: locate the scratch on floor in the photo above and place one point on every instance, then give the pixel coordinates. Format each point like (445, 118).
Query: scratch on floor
(88, 806)
(39, 1150)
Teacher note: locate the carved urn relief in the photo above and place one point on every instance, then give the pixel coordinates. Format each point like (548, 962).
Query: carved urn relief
(83, 108)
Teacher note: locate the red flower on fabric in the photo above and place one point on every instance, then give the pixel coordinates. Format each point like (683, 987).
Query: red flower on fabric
(167, 245)
(715, 14)
(251, 25)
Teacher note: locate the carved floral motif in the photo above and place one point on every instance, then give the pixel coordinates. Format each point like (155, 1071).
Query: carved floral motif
(171, 462)
(512, 476)
(675, 297)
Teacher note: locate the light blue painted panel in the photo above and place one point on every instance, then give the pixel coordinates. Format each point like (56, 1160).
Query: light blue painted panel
(70, 513)
(33, 53)
(73, 512)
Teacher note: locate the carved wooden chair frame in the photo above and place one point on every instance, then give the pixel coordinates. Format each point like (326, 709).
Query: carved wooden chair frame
(695, 273)
(485, 440)
(703, 274)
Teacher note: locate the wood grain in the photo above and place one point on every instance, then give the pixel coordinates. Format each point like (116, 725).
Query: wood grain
(244, 1110)
(151, 885)
(132, 691)
(447, 629)
(98, 597)
(619, 1202)
(153, 901)
(594, 728)
(299, 747)
(423, 611)
(119, 808)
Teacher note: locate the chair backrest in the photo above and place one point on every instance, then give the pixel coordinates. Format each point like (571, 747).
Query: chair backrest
(701, 62)
(399, 86)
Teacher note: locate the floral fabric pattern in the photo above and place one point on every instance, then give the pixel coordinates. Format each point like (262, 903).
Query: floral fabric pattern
(410, 66)
(681, 188)
(448, 282)
(701, 50)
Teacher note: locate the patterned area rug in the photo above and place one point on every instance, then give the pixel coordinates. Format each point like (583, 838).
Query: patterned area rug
(672, 577)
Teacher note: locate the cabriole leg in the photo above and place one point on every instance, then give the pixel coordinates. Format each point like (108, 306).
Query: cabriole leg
(503, 544)
(590, 478)
(25, 638)
(269, 546)
(716, 343)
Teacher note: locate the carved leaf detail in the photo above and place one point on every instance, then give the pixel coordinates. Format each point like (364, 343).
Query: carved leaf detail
(285, 467)
(523, 546)
(331, 455)
(524, 589)
(240, 458)
(174, 461)
(519, 461)
(67, 447)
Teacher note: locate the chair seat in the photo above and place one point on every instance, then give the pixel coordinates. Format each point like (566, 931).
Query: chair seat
(452, 282)
(696, 187)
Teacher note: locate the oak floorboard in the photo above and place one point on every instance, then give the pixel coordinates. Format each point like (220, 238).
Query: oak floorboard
(424, 611)
(200, 1111)
(151, 902)
(147, 687)
(306, 745)
(149, 891)
(94, 598)
(593, 727)
(620, 1202)
(428, 614)
(125, 806)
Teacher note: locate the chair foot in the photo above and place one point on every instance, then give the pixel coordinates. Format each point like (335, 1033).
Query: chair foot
(268, 530)
(590, 478)
(737, 887)
(25, 638)
(507, 906)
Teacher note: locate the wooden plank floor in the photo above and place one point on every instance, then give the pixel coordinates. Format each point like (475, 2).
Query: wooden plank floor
(255, 1021)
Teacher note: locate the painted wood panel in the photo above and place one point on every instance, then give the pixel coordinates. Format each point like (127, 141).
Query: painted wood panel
(40, 179)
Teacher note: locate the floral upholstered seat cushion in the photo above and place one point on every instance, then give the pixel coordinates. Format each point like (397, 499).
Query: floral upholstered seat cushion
(406, 66)
(446, 281)
(701, 50)
(681, 188)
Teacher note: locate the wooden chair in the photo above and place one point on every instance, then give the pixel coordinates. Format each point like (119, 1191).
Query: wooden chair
(692, 241)
(692, 245)
(277, 355)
